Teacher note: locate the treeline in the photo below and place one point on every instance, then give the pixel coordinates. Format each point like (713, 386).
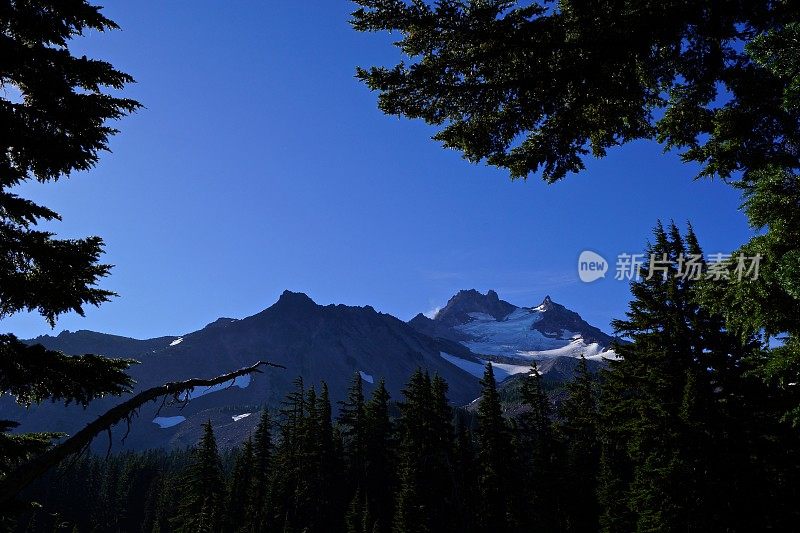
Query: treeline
(302, 469)
(676, 435)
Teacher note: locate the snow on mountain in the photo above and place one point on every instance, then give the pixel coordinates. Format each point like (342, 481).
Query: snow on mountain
(168, 421)
(501, 370)
(511, 337)
(515, 336)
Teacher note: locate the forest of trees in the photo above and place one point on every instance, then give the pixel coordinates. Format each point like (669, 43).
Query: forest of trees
(677, 435)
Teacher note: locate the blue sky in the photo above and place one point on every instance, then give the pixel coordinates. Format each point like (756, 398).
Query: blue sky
(260, 164)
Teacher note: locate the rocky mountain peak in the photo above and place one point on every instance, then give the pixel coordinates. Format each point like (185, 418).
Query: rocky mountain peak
(556, 318)
(289, 300)
(469, 301)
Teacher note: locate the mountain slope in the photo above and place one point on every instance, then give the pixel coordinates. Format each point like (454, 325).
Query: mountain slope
(316, 342)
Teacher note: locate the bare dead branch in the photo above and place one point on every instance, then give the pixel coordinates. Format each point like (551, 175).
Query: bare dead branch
(24, 474)
(129, 421)
(160, 407)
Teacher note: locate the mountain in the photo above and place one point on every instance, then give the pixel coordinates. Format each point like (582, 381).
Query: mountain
(329, 343)
(84, 341)
(511, 336)
(316, 342)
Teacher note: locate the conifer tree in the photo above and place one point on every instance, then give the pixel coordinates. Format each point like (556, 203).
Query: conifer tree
(309, 497)
(441, 483)
(650, 376)
(673, 406)
(379, 451)
(442, 412)
(258, 498)
(578, 427)
(539, 455)
(465, 469)
(305, 495)
(330, 470)
(202, 499)
(54, 113)
(424, 488)
(239, 489)
(411, 512)
(537, 417)
(494, 453)
(286, 489)
(352, 421)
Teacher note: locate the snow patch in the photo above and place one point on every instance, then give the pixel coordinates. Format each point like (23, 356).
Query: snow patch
(476, 369)
(176, 341)
(168, 421)
(510, 370)
(366, 377)
(501, 370)
(236, 418)
(608, 354)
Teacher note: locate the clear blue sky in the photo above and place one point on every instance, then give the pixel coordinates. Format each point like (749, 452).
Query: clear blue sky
(260, 164)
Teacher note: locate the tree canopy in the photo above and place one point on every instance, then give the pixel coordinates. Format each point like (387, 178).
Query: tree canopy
(55, 109)
(538, 86)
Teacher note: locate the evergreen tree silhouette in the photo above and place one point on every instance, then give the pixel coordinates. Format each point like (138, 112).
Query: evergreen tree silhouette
(201, 506)
(57, 125)
(494, 453)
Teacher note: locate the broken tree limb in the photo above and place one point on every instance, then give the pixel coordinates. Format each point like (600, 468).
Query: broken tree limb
(27, 472)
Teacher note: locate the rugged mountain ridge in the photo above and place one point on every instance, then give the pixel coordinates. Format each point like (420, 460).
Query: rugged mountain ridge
(316, 342)
(329, 343)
